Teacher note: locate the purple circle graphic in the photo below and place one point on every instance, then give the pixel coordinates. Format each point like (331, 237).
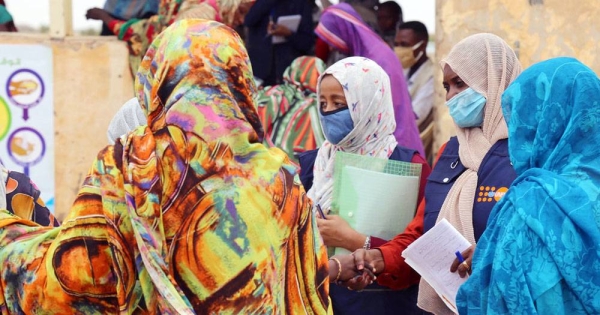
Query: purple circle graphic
(17, 157)
(10, 93)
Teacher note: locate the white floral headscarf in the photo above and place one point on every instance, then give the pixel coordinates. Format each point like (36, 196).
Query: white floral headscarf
(369, 98)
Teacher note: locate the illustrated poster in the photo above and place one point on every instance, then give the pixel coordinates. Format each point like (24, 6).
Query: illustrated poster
(27, 115)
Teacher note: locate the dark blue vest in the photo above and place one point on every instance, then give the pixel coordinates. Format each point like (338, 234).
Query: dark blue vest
(495, 175)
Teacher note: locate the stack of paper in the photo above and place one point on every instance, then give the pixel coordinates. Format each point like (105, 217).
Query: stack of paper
(291, 22)
(432, 255)
(373, 201)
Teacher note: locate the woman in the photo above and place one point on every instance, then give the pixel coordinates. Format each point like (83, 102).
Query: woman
(139, 33)
(473, 169)
(19, 195)
(342, 28)
(289, 111)
(356, 116)
(190, 213)
(543, 236)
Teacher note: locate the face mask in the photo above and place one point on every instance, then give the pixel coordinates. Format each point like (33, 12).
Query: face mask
(336, 124)
(406, 55)
(466, 108)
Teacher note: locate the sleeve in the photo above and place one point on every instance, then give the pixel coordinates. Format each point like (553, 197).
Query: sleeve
(259, 10)
(122, 29)
(425, 171)
(307, 282)
(322, 49)
(397, 274)
(304, 38)
(422, 101)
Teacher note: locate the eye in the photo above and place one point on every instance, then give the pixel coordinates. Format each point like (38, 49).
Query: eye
(460, 83)
(340, 105)
(446, 87)
(322, 105)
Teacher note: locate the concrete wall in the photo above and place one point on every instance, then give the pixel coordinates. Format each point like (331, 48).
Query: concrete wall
(91, 81)
(536, 29)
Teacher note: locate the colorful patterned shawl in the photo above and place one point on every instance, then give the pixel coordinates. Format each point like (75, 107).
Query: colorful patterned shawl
(19, 195)
(139, 33)
(342, 28)
(289, 111)
(539, 253)
(188, 214)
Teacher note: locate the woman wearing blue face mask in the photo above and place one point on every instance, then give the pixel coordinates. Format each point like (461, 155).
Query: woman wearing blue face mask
(473, 169)
(357, 116)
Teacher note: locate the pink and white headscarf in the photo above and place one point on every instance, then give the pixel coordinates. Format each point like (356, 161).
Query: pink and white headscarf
(368, 95)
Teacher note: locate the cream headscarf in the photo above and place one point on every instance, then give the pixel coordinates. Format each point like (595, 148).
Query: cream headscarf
(369, 98)
(219, 10)
(488, 65)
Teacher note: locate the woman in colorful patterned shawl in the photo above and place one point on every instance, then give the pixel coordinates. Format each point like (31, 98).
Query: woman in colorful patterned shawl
(342, 28)
(289, 111)
(139, 33)
(539, 253)
(190, 213)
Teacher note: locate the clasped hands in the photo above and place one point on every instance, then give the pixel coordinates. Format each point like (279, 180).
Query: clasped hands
(357, 269)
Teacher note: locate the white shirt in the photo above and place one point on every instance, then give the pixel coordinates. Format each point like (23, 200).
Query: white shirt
(420, 87)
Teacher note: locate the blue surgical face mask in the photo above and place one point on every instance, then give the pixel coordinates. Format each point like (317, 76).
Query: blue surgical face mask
(466, 108)
(336, 124)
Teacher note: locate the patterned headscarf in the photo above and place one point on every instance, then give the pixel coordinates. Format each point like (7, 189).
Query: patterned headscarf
(488, 65)
(539, 253)
(368, 95)
(139, 33)
(190, 213)
(289, 111)
(341, 27)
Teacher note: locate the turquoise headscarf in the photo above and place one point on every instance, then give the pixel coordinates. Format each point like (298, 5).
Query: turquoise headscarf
(540, 252)
(5, 17)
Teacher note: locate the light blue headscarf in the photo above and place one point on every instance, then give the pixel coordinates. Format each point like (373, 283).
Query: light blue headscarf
(5, 17)
(540, 252)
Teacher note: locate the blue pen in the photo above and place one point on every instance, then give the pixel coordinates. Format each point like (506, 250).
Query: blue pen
(321, 212)
(459, 256)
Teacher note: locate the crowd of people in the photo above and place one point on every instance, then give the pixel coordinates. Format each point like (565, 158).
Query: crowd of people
(215, 192)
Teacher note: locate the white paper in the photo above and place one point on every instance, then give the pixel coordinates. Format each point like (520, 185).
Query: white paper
(431, 256)
(291, 22)
(376, 203)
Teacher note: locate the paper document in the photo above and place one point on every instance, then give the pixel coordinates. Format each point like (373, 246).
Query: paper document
(375, 203)
(289, 21)
(431, 256)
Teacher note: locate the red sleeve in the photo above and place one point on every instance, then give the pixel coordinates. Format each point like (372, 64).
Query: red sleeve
(397, 274)
(425, 171)
(321, 49)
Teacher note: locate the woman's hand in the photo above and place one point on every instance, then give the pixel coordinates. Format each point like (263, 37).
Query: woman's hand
(465, 267)
(336, 232)
(278, 30)
(349, 276)
(98, 14)
(372, 259)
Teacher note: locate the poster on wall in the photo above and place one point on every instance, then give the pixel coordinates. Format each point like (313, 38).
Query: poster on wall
(27, 115)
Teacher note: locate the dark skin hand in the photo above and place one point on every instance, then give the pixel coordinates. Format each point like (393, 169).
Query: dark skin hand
(350, 277)
(462, 268)
(99, 14)
(278, 30)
